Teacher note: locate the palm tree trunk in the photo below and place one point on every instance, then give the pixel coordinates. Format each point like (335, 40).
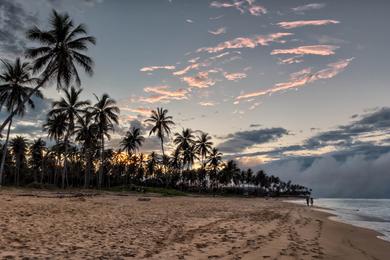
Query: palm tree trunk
(162, 146)
(64, 170)
(4, 152)
(101, 162)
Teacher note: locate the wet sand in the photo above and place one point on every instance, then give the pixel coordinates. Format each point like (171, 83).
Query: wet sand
(123, 227)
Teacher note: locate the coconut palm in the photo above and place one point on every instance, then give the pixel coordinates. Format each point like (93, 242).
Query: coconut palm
(37, 149)
(72, 107)
(185, 139)
(203, 146)
(16, 80)
(161, 125)
(19, 149)
(106, 114)
(189, 156)
(87, 134)
(60, 51)
(214, 160)
(132, 141)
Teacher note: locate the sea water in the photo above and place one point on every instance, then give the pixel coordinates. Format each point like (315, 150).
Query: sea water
(367, 213)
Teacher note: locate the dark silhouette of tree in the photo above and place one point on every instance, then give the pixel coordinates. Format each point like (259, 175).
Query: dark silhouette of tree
(203, 146)
(19, 149)
(161, 125)
(16, 80)
(72, 108)
(61, 49)
(106, 114)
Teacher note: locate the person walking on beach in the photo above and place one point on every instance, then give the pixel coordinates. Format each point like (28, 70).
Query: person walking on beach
(311, 201)
(307, 200)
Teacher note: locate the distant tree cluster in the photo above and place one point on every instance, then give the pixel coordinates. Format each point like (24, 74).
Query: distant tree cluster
(80, 129)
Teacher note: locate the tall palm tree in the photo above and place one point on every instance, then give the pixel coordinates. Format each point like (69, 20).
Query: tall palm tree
(16, 80)
(106, 114)
(204, 146)
(162, 124)
(37, 150)
(189, 156)
(19, 150)
(72, 108)
(132, 141)
(60, 51)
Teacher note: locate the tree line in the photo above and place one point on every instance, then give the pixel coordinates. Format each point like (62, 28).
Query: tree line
(79, 129)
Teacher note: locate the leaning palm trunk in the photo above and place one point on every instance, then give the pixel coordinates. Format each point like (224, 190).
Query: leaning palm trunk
(4, 152)
(14, 112)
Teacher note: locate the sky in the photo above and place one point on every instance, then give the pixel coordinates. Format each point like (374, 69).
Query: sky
(299, 88)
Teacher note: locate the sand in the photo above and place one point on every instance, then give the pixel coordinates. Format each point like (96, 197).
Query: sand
(123, 227)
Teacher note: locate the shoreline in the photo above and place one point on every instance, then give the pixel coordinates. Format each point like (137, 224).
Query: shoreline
(130, 227)
(334, 216)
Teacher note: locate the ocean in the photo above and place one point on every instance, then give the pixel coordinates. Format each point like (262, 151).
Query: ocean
(367, 213)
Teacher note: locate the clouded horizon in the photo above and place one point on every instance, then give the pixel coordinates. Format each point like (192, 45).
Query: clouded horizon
(299, 88)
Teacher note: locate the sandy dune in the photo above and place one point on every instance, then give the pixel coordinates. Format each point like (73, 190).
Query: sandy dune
(123, 227)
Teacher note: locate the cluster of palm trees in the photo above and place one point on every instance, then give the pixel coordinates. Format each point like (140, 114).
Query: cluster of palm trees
(78, 130)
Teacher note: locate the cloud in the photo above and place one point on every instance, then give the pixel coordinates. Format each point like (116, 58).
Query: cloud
(302, 78)
(188, 68)
(140, 110)
(163, 94)
(201, 80)
(322, 50)
(292, 60)
(14, 21)
(153, 68)
(219, 31)
(296, 24)
(235, 76)
(243, 6)
(354, 177)
(308, 7)
(207, 104)
(246, 42)
(189, 21)
(239, 141)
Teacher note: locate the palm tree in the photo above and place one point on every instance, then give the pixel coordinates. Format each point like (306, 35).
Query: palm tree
(87, 134)
(106, 114)
(72, 108)
(19, 150)
(189, 156)
(162, 124)
(214, 160)
(37, 150)
(185, 139)
(132, 141)
(16, 78)
(203, 145)
(61, 50)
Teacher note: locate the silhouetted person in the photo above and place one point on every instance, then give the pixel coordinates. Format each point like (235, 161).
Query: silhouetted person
(311, 201)
(307, 200)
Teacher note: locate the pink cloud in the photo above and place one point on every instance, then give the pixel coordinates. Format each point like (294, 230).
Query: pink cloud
(163, 94)
(153, 68)
(295, 24)
(301, 78)
(292, 60)
(201, 80)
(219, 31)
(243, 6)
(235, 76)
(246, 42)
(322, 50)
